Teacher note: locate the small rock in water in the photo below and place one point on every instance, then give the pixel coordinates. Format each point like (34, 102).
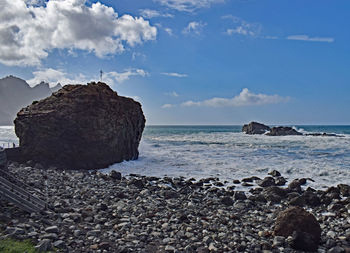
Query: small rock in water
(115, 175)
(267, 181)
(274, 173)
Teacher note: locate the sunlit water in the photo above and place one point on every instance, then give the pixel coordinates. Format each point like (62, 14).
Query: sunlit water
(225, 152)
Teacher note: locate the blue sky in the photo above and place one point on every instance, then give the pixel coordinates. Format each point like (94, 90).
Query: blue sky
(191, 61)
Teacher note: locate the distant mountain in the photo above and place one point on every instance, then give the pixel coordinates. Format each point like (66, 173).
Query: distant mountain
(16, 93)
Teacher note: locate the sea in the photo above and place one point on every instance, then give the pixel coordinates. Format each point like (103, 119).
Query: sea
(227, 153)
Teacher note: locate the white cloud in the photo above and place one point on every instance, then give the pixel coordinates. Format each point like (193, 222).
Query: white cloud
(173, 74)
(172, 94)
(188, 5)
(245, 98)
(169, 31)
(165, 106)
(28, 32)
(53, 76)
(312, 39)
(148, 13)
(120, 77)
(136, 55)
(242, 27)
(194, 28)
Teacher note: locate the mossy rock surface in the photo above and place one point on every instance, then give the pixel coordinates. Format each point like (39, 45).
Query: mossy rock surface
(13, 246)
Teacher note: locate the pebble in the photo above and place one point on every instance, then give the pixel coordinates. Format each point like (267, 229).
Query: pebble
(93, 212)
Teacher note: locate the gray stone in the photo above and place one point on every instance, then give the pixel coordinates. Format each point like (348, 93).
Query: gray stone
(44, 245)
(52, 229)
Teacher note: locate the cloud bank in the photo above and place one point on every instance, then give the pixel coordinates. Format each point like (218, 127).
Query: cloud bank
(54, 76)
(28, 32)
(174, 74)
(245, 98)
(120, 77)
(242, 27)
(194, 27)
(188, 5)
(312, 39)
(148, 13)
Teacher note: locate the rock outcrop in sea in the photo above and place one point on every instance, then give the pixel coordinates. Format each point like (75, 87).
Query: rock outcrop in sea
(255, 128)
(282, 131)
(81, 127)
(258, 128)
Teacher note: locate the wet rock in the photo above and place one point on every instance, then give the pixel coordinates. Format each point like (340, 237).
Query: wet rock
(282, 131)
(274, 173)
(300, 224)
(227, 201)
(297, 201)
(115, 175)
(311, 198)
(333, 193)
(344, 190)
(296, 183)
(138, 183)
(274, 194)
(267, 181)
(239, 195)
(255, 128)
(280, 181)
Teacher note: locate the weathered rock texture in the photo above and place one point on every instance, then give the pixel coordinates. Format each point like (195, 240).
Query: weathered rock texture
(281, 131)
(81, 127)
(300, 224)
(255, 128)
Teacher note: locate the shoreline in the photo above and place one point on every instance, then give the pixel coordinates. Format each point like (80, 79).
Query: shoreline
(95, 212)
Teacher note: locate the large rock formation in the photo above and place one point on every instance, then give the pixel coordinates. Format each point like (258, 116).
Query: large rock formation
(301, 225)
(258, 128)
(255, 128)
(81, 127)
(282, 131)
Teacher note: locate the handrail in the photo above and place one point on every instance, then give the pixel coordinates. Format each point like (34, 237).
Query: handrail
(22, 193)
(10, 178)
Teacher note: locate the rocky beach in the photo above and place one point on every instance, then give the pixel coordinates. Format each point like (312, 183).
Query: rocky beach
(95, 212)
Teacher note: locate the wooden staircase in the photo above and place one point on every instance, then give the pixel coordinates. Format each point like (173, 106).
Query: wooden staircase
(20, 194)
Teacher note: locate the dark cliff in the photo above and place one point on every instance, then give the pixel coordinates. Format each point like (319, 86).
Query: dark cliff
(81, 127)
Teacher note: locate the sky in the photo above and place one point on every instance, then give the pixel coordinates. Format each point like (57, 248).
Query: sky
(191, 61)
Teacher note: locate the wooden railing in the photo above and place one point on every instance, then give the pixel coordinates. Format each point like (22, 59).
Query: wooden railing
(20, 194)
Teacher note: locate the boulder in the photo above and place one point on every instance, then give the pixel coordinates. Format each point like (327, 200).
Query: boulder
(81, 127)
(255, 128)
(299, 224)
(283, 131)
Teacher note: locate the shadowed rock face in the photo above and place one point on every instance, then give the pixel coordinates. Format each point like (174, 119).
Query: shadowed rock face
(81, 127)
(282, 131)
(301, 225)
(255, 128)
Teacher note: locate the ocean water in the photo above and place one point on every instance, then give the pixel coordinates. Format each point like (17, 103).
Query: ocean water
(227, 153)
